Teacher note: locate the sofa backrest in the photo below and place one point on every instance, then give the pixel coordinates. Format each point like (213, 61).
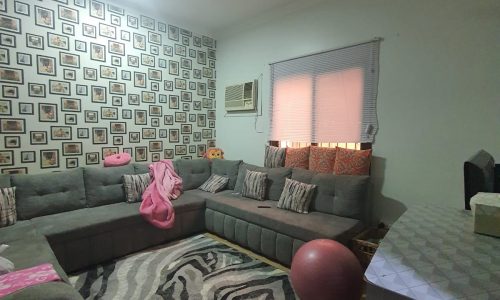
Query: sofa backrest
(4, 180)
(276, 178)
(105, 185)
(141, 168)
(194, 172)
(43, 194)
(341, 195)
(227, 168)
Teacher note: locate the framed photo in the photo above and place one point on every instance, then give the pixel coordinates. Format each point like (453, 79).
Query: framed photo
(116, 61)
(139, 41)
(12, 141)
(180, 50)
(148, 133)
(180, 83)
(6, 158)
(91, 116)
(69, 74)
(147, 22)
(70, 104)
(180, 149)
(206, 133)
(147, 60)
(11, 75)
(70, 119)
(21, 8)
(68, 14)
(25, 108)
(116, 20)
(185, 74)
(116, 47)
(168, 119)
(89, 74)
(116, 101)
(117, 140)
(69, 60)
(173, 68)
(118, 127)
(163, 133)
(80, 46)
(140, 79)
(8, 40)
(155, 110)
(140, 117)
(155, 146)
(168, 50)
(197, 136)
(9, 91)
(99, 135)
(97, 9)
(92, 158)
(173, 102)
(57, 41)
(82, 133)
(49, 158)
(11, 24)
(162, 98)
(81, 90)
(148, 97)
(126, 75)
(115, 9)
(126, 114)
(141, 154)
(155, 86)
(68, 29)
(71, 162)
(154, 74)
(125, 35)
(186, 63)
(46, 65)
(201, 149)
(132, 22)
(173, 135)
(38, 137)
(155, 157)
(186, 129)
(58, 87)
(192, 149)
(109, 113)
(47, 112)
(6, 108)
(15, 171)
(12, 125)
(154, 38)
(155, 122)
(60, 132)
(118, 88)
(28, 156)
(24, 59)
(133, 99)
(71, 148)
(89, 30)
(162, 27)
(186, 96)
(108, 31)
(80, 3)
(173, 33)
(98, 94)
(211, 143)
(34, 41)
(134, 137)
(168, 153)
(108, 72)
(97, 52)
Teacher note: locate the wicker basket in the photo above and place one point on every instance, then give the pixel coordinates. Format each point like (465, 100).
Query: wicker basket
(366, 243)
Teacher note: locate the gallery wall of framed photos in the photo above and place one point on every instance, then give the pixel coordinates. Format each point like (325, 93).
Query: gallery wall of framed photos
(82, 79)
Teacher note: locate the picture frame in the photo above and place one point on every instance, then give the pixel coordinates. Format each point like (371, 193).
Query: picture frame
(186, 96)
(186, 63)
(154, 38)
(109, 113)
(116, 101)
(155, 122)
(7, 40)
(11, 75)
(69, 60)
(80, 3)
(99, 135)
(89, 30)
(125, 35)
(5, 107)
(133, 99)
(91, 116)
(140, 117)
(68, 14)
(21, 8)
(82, 133)
(173, 33)
(192, 149)
(126, 114)
(89, 74)
(126, 75)
(26, 108)
(23, 59)
(116, 20)
(10, 91)
(44, 17)
(118, 127)
(201, 150)
(70, 119)
(141, 154)
(162, 27)
(154, 74)
(155, 146)
(148, 97)
(173, 136)
(186, 128)
(49, 158)
(97, 9)
(15, 171)
(168, 154)
(155, 86)
(118, 140)
(58, 87)
(163, 133)
(132, 22)
(139, 41)
(162, 98)
(46, 65)
(38, 137)
(173, 102)
(147, 22)
(80, 46)
(60, 132)
(173, 68)
(69, 74)
(154, 50)
(58, 41)
(71, 162)
(168, 50)
(140, 79)
(47, 112)
(180, 149)
(186, 139)
(148, 133)
(133, 61)
(197, 136)
(10, 24)
(71, 148)
(155, 157)
(28, 157)
(108, 72)
(155, 111)
(118, 88)
(168, 85)
(116, 61)
(6, 158)
(92, 158)
(116, 47)
(34, 41)
(70, 104)
(98, 94)
(82, 90)
(97, 52)
(168, 120)
(180, 83)
(180, 50)
(106, 30)
(12, 125)
(12, 141)
(115, 9)
(147, 60)
(68, 29)
(134, 137)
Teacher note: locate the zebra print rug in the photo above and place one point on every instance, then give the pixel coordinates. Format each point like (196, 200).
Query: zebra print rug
(195, 268)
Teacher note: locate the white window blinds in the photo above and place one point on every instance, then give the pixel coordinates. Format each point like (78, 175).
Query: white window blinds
(326, 97)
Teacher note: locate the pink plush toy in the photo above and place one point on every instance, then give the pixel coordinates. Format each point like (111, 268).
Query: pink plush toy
(116, 160)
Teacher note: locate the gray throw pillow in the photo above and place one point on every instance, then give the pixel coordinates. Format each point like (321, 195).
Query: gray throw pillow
(6, 265)
(296, 196)
(214, 184)
(135, 185)
(8, 213)
(254, 185)
(274, 157)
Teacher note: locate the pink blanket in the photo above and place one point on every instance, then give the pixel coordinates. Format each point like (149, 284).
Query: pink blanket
(14, 281)
(165, 186)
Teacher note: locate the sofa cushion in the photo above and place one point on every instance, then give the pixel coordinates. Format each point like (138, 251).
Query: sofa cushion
(8, 215)
(105, 185)
(214, 184)
(322, 159)
(141, 168)
(296, 196)
(226, 168)
(297, 157)
(275, 179)
(45, 194)
(314, 225)
(4, 180)
(135, 185)
(20, 230)
(194, 172)
(352, 162)
(274, 157)
(254, 185)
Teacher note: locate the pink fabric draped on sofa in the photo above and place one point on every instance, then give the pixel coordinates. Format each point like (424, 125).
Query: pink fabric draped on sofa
(165, 186)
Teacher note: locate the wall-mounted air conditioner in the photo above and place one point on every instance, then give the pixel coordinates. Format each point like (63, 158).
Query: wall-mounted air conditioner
(241, 97)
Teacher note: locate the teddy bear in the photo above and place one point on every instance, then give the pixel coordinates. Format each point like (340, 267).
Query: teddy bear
(212, 153)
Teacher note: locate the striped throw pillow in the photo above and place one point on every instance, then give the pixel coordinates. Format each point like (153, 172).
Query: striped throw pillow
(275, 157)
(254, 185)
(214, 184)
(8, 213)
(135, 185)
(296, 196)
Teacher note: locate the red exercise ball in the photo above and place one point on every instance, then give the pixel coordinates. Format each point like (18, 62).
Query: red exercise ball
(325, 269)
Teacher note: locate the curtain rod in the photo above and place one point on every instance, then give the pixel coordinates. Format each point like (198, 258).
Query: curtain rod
(375, 39)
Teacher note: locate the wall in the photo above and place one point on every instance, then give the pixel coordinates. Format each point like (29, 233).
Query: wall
(438, 91)
(82, 79)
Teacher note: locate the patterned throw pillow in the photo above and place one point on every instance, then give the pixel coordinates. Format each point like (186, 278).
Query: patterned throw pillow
(254, 185)
(297, 158)
(322, 159)
(296, 196)
(214, 184)
(135, 185)
(275, 157)
(8, 213)
(352, 162)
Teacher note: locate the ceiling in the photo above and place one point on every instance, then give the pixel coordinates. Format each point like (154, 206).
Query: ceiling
(210, 17)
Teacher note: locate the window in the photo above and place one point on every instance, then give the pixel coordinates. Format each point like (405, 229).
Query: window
(329, 97)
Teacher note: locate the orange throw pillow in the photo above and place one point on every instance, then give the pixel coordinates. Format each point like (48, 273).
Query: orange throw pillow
(297, 158)
(352, 162)
(322, 159)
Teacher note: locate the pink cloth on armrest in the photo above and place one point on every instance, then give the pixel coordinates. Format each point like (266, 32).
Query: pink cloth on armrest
(165, 186)
(14, 281)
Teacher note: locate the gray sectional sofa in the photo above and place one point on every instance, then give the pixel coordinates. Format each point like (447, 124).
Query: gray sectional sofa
(78, 218)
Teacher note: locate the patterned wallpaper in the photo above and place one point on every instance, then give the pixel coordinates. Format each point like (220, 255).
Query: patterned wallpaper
(81, 79)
